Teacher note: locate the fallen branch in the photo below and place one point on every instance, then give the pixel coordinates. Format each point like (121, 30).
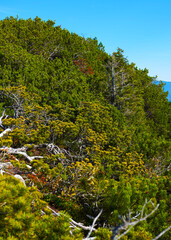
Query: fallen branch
(80, 225)
(20, 151)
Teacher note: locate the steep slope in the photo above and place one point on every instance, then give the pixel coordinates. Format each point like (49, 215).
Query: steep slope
(89, 130)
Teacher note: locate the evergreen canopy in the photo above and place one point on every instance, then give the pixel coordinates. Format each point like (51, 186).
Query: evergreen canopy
(89, 130)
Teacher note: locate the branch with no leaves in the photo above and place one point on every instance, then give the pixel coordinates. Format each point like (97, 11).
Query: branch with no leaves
(16, 101)
(2, 116)
(20, 151)
(129, 222)
(1, 125)
(5, 131)
(161, 234)
(74, 224)
(93, 224)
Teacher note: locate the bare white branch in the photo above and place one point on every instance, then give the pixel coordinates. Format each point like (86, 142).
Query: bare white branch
(3, 114)
(5, 131)
(1, 125)
(20, 178)
(128, 222)
(161, 234)
(5, 165)
(93, 224)
(72, 222)
(21, 151)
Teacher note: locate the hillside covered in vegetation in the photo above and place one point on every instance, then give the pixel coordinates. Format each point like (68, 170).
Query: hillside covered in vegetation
(84, 139)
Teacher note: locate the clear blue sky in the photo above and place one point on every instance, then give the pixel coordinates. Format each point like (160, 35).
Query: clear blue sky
(142, 28)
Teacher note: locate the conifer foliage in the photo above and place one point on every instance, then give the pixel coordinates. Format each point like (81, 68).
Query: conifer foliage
(84, 139)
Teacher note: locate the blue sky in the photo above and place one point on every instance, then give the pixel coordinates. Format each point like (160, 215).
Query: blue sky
(142, 28)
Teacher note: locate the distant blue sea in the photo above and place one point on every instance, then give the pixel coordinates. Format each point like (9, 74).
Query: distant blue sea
(167, 88)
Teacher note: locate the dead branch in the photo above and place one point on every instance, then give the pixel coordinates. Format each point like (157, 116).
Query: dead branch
(93, 224)
(74, 224)
(20, 178)
(129, 222)
(20, 151)
(161, 234)
(5, 131)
